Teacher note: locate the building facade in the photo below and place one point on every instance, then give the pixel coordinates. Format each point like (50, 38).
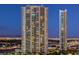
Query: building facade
(63, 29)
(35, 29)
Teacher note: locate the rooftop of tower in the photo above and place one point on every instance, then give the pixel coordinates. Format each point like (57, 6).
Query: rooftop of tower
(34, 6)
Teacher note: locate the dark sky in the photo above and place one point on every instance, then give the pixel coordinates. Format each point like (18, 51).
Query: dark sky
(10, 19)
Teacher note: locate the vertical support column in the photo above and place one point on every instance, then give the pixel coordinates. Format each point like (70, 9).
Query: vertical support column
(65, 25)
(46, 32)
(23, 47)
(60, 28)
(31, 29)
(39, 31)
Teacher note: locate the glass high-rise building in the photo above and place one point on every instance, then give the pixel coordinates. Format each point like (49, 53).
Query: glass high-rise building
(35, 29)
(63, 29)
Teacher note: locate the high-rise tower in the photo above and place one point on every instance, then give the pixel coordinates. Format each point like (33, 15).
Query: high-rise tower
(35, 29)
(63, 29)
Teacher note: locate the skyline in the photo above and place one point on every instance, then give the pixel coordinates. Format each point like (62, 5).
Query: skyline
(11, 18)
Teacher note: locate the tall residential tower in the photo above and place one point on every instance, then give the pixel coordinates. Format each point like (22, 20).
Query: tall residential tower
(63, 29)
(35, 29)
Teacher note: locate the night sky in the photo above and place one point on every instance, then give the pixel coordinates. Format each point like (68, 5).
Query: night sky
(11, 20)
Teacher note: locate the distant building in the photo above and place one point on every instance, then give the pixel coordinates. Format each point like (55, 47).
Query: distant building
(8, 44)
(35, 29)
(63, 29)
(55, 43)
